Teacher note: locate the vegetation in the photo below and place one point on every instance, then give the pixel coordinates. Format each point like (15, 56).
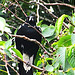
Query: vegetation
(56, 19)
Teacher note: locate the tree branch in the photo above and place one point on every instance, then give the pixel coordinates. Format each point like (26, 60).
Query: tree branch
(32, 40)
(63, 4)
(28, 63)
(20, 8)
(12, 13)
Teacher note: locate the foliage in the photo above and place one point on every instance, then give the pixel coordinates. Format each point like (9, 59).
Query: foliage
(58, 33)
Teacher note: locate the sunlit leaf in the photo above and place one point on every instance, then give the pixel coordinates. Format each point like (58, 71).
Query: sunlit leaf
(59, 23)
(18, 53)
(40, 23)
(65, 41)
(2, 42)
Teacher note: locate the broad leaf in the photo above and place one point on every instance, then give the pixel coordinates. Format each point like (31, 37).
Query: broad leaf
(49, 31)
(43, 26)
(61, 56)
(65, 41)
(71, 57)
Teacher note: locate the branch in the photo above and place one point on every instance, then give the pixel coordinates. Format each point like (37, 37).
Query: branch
(45, 8)
(20, 8)
(12, 13)
(28, 63)
(13, 69)
(64, 4)
(6, 64)
(32, 40)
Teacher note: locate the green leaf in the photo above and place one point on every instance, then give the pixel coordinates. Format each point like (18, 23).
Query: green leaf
(8, 53)
(2, 24)
(73, 39)
(18, 53)
(49, 68)
(39, 62)
(61, 56)
(8, 43)
(71, 58)
(40, 23)
(43, 26)
(49, 31)
(48, 58)
(71, 72)
(73, 20)
(71, 28)
(59, 22)
(2, 43)
(65, 41)
(50, 38)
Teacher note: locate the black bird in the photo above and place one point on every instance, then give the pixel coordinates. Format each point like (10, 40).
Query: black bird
(27, 48)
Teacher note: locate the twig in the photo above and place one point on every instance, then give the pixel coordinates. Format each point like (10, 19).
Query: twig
(6, 64)
(45, 8)
(13, 69)
(28, 63)
(20, 8)
(12, 13)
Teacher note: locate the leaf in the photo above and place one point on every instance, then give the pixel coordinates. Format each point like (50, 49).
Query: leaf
(73, 20)
(2, 43)
(49, 68)
(50, 38)
(70, 72)
(59, 22)
(43, 26)
(8, 43)
(49, 31)
(65, 41)
(8, 53)
(71, 28)
(71, 58)
(2, 24)
(61, 56)
(18, 53)
(39, 62)
(40, 23)
(48, 58)
(73, 39)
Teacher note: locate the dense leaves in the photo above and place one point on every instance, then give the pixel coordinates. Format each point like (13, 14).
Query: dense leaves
(57, 23)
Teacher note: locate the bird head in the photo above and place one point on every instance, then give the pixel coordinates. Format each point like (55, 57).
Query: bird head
(31, 20)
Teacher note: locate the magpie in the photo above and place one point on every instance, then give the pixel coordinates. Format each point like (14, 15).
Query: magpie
(27, 48)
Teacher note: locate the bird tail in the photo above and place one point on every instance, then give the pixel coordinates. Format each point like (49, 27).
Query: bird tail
(22, 71)
(25, 69)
